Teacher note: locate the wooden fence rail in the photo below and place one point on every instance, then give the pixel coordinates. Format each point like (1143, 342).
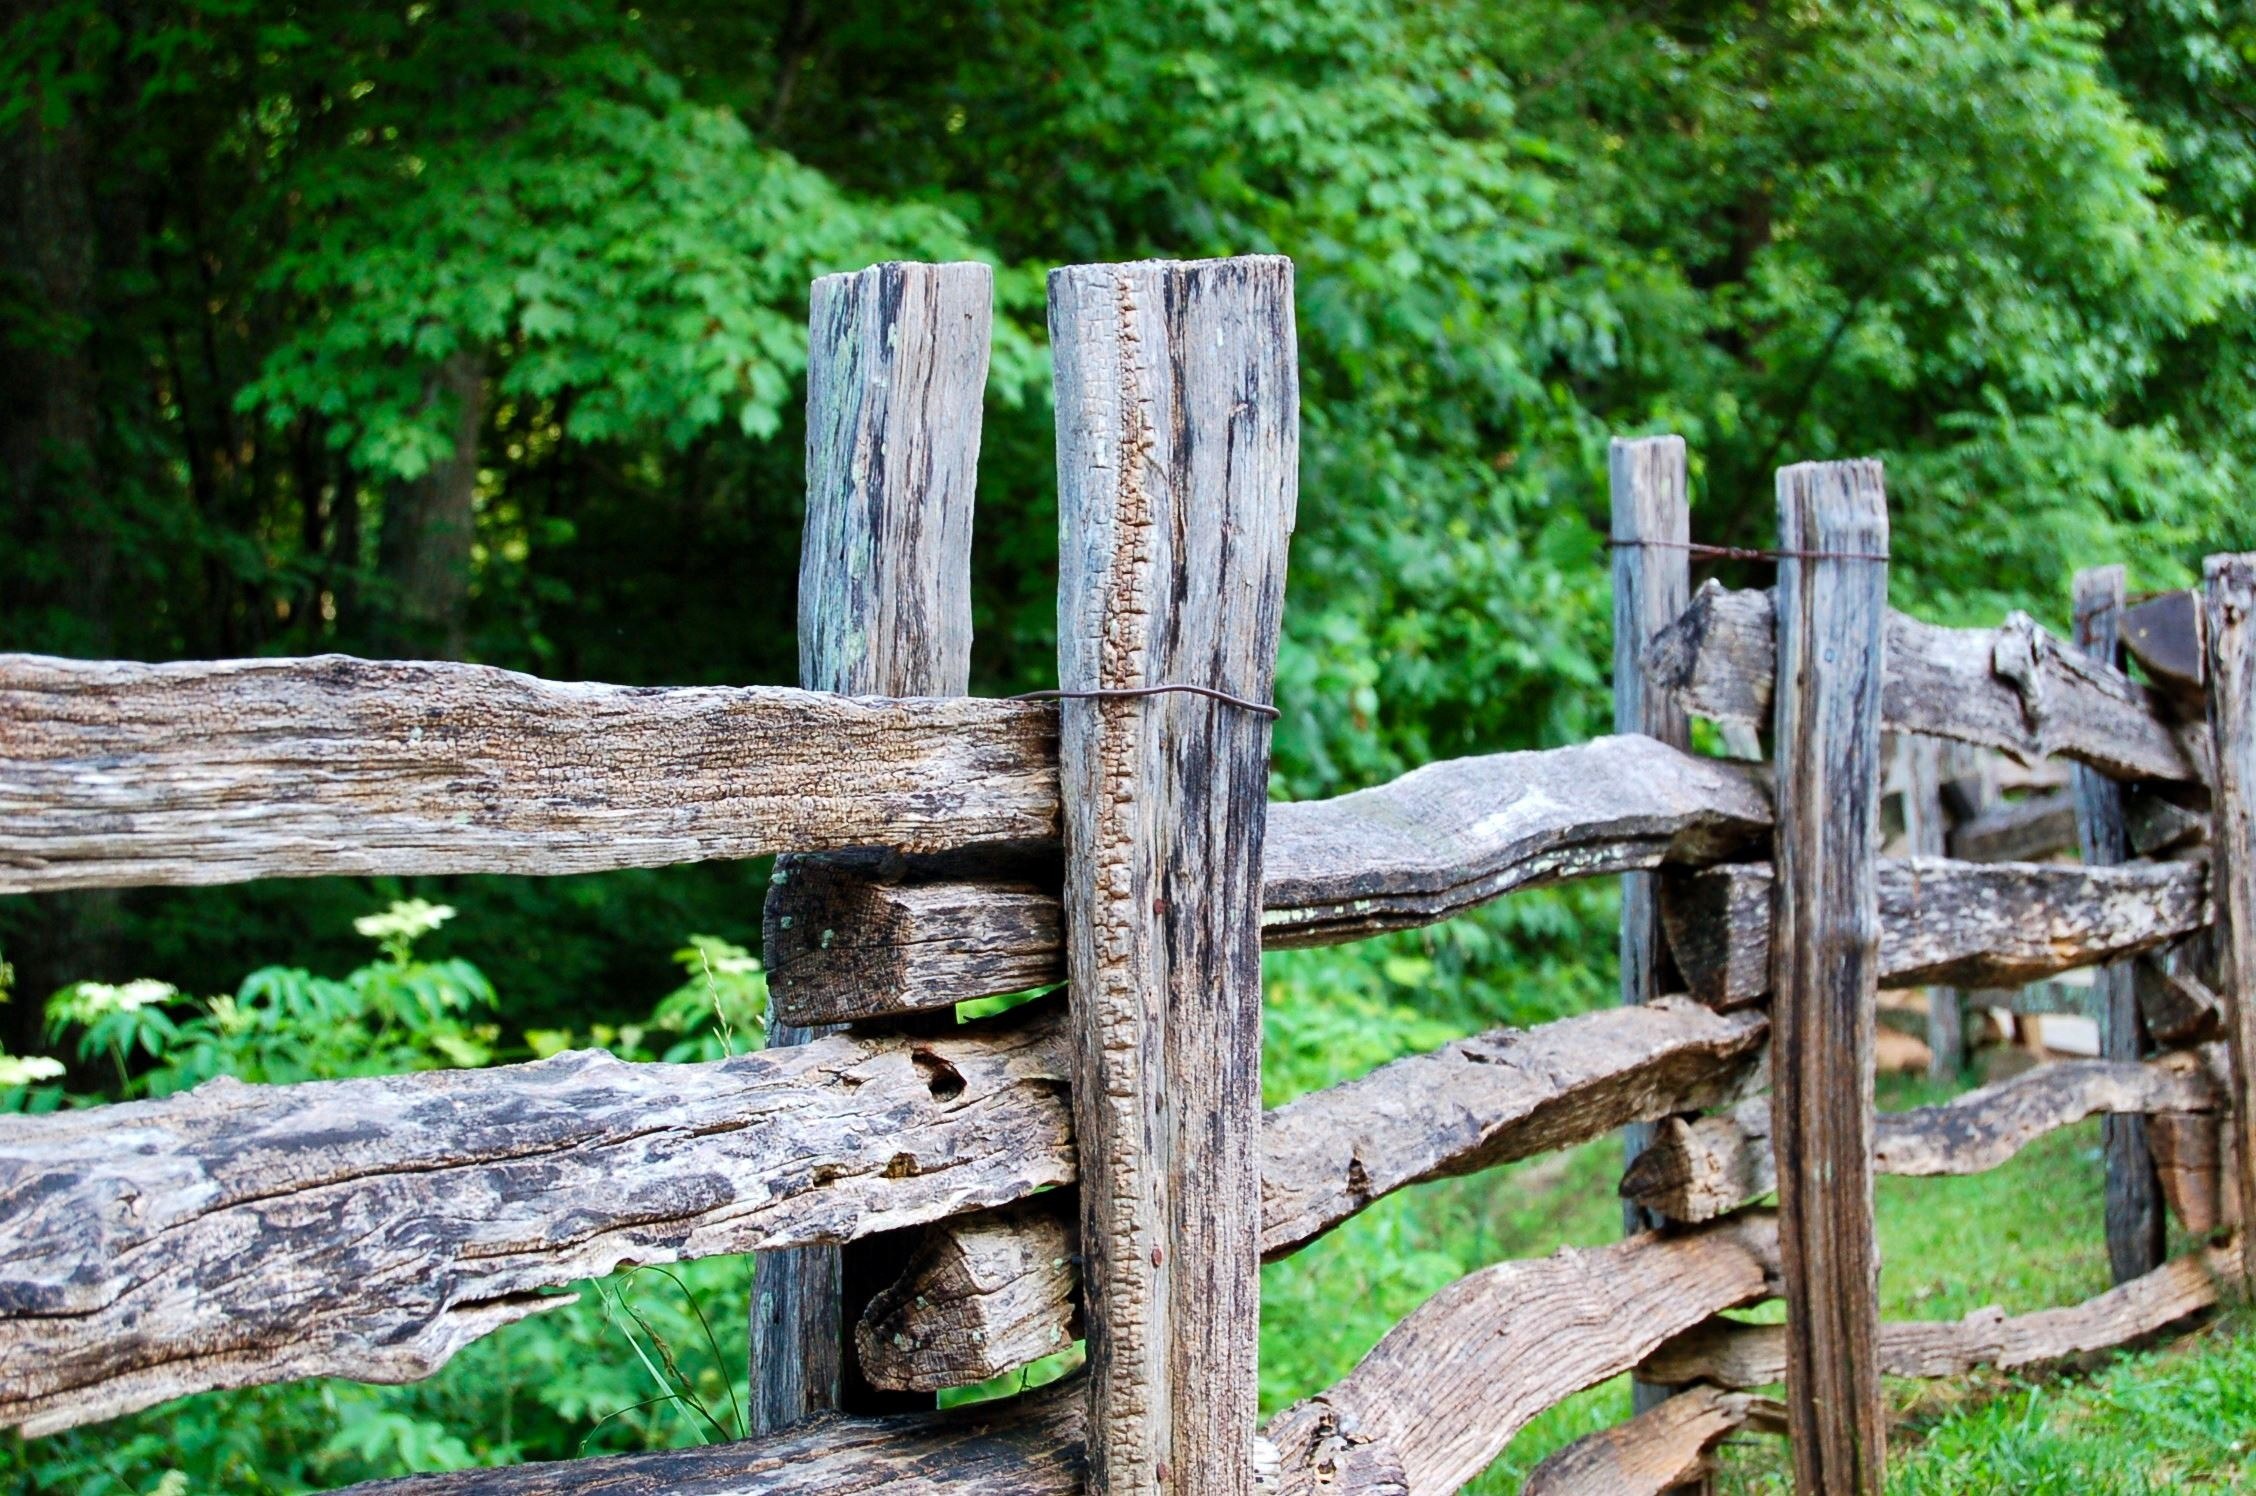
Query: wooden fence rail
(1095, 1164)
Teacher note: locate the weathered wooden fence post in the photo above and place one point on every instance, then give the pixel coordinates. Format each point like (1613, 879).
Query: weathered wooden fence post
(896, 373)
(1832, 604)
(2135, 1227)
(1178, 451)
(2229, 601)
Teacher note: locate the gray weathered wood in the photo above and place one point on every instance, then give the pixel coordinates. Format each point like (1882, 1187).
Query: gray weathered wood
(1971, 924)
(2177, 1007)
(2017, 830)
(1659, 1450)
(1419, 1416)
(1470, 1105)
(1446, 1389)
(1926, 833)
(1023, 1446)
(2014, 687)
(116, 774)
(2136, 1230)
(1652, 525)
(2228, 601)
(1423, 848)
(370, 1228)
(1698, 1170)
(1733, 1354)
(2163, 633)
(896, 377)
(1178, 424)
(982, 1295)
(1825, 967)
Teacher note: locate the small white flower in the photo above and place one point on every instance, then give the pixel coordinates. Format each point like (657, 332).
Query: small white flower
(90, 1000)
(407, 919)
(22, 1070)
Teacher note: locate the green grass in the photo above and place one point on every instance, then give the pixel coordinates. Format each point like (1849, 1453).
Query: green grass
(2180, 1416)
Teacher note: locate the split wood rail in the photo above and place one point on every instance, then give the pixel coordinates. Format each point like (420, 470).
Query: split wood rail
(939, 1203)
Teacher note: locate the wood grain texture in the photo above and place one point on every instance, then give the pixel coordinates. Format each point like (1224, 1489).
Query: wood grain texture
(238, 1234)
(2228, 603)
(2014, 687)
(1970, 924)
(1490, 1099)
(1025, 1446)
(1732, 1354)
(2189, 1167)
(2176, 1006)
(2023, 830)
(2136, 1230)
(871, 937)
(1825, 968)
(1470, 1105)
(1927, 834)
(896, 379)
(1659, 1450)
(1446, 1389)
(1698, 1170)
(118, 774)
(981, 1295)
(1651, 524)
(1178, 422)
(2163, 633)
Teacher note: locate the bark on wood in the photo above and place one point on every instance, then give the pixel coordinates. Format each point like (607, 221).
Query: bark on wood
(1652, 523)
(1698, 1170)
(2135, 1229)
(1969, 924)
(1178, 455)
(119, 774)
(2229, 599)
(982, 1295)
(2014, 688)
(1423, 848)
(1446, 1389)
(1471, 1105)
(896, 377)
(370, 1228)
(1825, 963)
(1659, 1450)
(1732, 1354)
(1026, 1446)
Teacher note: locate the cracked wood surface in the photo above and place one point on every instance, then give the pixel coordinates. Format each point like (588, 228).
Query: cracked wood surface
(1733, 1354)
(2014, 688)
(115, 774)
(870, 939)
(1470, 1105)
(2229, 621)
(896, 379)
(239, 1234)
(1178, 447)
(1698, 1170)
(1445, 1390)
(1658, 1450)
(1968, 924)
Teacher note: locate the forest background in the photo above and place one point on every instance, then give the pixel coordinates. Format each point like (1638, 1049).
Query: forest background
(477, 330)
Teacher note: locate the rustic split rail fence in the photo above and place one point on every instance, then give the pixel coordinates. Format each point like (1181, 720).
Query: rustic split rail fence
(940, 1203)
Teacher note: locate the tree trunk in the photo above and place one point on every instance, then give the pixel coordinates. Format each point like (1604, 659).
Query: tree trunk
(423, 551)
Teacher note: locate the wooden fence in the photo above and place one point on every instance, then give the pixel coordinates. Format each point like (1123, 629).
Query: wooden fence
(943, 1203)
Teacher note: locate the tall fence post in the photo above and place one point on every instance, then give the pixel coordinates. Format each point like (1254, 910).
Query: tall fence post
(1652, 524)
(1832, 605)
(1178, 451)
(2229, 600)
(2136, 1241)
(896, 373)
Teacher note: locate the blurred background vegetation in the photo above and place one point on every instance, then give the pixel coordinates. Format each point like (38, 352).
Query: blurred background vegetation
(477, 330)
